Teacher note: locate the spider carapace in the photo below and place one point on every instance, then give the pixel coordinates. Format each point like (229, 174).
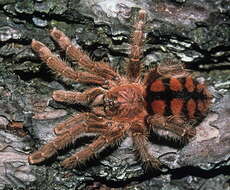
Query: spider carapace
(164, 100)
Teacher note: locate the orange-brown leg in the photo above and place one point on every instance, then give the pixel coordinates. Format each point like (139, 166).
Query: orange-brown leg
(61, 68)
(141, 143)
(100, 68)
(69, 131)
(84, 119)
(113, 135)
(134, 64)
(174, 127)
(93, 96)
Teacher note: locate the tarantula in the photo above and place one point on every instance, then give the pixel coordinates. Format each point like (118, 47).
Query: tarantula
(164, 101)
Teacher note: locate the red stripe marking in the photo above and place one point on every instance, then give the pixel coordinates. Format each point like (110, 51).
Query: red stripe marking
(203, 105)
(157, 86)
(158, 106)
(176, 106)
(200, 106)
(191, 107)
(200, 87)
(175, 84)
(189, 85)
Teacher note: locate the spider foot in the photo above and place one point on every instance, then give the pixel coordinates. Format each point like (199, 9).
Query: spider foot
(69, 163)
(45, 152)
(154, 165)
(174, 127)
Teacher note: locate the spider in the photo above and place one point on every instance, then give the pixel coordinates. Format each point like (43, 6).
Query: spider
(165, 100)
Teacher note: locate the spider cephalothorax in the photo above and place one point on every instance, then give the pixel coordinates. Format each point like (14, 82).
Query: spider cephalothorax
(166, 101)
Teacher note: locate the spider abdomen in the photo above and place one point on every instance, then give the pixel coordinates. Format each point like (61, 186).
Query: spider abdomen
(178, 96)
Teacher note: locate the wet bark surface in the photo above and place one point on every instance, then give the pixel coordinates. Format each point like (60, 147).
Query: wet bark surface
(196, 33)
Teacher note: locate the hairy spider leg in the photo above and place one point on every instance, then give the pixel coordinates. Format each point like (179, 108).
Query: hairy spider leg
(88, 97)
(61, 68)
(137, 41)
(111, 137)
(75, 120)
(70, 130)
(177, 126)
(141, 143)
(100, 68)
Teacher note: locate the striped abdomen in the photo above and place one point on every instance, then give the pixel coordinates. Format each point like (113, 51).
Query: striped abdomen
(183, 96)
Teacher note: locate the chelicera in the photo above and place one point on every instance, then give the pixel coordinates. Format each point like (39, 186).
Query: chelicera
(165, 100)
